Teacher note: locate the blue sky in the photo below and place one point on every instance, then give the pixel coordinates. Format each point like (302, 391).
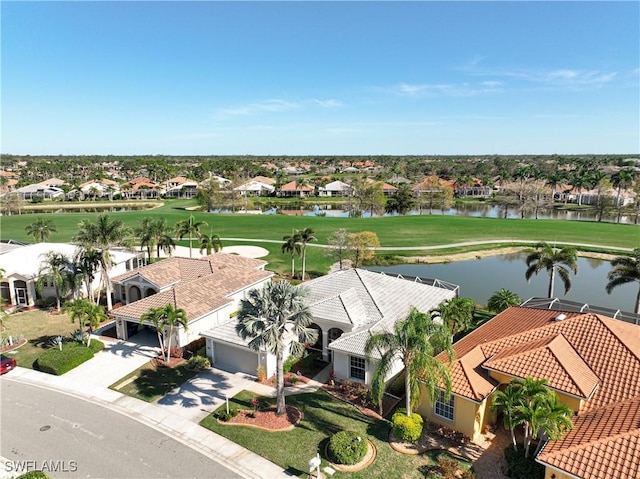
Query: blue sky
(320, 78)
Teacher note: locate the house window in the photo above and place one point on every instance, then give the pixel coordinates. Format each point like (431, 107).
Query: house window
(357, 367)
(444, 407)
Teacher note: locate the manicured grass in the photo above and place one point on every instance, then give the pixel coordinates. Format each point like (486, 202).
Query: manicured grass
(152, 383)
(398, 232)
(323, 416)
(72, 354)
(36, 326)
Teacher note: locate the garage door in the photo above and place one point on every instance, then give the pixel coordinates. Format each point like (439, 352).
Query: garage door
(235, 359)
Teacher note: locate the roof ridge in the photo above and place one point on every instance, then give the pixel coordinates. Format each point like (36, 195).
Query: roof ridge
(357, 271)
(466, 374)
(583, 445)
(559, 361)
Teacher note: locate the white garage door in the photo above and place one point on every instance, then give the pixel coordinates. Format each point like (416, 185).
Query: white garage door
(235, 359)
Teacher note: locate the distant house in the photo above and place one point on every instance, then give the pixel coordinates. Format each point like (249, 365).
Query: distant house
(141, 187)
(222, 182)
(336, 188)
(180, 187)
(387, 189)
(592, 362)
(55, 182)
(475, 190)
(293, 189)
(431, 185)
(255, 188)
(99, 188)
(22, 265)
(34, 191)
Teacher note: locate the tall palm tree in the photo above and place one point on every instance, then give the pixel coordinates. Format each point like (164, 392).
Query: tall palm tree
(163, 236)
(87, 262)
(54, 271)
(507, 401)
(556, 421)
(621, 179)
(292, 246)
(275, 319)
(564, 261)
(210, 242)
(86, 313)
(306, 236)
(503, 299)
(164, 317)
(190, 228)
(41, 229)
(415, 341)
(146, 236)
(626, 269)
(101, 236)
(531, 408)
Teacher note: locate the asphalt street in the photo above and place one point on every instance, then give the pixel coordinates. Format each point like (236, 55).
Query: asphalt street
(71, 437)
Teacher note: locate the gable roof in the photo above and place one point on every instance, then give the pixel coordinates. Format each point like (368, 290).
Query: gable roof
(294, 186)
(586, 355)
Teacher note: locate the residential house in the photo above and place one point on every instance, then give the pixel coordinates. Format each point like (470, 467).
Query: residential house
(336, 188)
(348, 306)
(209, 289)
(255, 188)
(23, 263)
(431, 185)
(591, 361)
(55, 182)
(99, 188)
(141, 187)
(294, 189)
(474, 190)
(180, 187)
(35, 191)
(387, 189)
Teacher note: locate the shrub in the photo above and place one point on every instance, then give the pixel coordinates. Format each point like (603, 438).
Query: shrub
(198, 362)
(77, 336)
(347, 447)
(225, 416)
(54, 341)
(407, 428)
(448, 467)
(290, 361)
(33, 475)
(521, 467)
(261, 374)
(54, 361)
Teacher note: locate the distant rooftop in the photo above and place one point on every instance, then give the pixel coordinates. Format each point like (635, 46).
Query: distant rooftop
(557, 304)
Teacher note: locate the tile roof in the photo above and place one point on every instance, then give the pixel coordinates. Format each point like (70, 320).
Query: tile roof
(294, 186)
(226, 332)
(576, 355)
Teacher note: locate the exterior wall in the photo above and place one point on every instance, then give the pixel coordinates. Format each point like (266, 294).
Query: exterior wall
(550, 473)
(342, 368)
(468, 417)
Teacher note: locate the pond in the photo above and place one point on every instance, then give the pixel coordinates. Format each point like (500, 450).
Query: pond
(479, 279)
(484, 210)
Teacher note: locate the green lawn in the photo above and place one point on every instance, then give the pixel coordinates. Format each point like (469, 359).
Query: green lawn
(323, 416)
(398, 232)
(36, 326)
(150, 383)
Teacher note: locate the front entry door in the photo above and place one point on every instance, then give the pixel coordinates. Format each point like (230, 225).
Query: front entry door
(21, 297)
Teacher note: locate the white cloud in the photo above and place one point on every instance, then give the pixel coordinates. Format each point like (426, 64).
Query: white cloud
(446, 89)
(272, 106)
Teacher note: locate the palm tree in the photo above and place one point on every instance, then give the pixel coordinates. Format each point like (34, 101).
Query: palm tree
(556, 421)
(415, 341)
(292, 246)
(551, 259)
(101, 236)
(210, 242)
(146, 235)
(456, 314)
(87, 262)
(163, 317)
(41, 229)
(162, 236)
(86, 313)
(507, 401)
(276, 319)
(533, 393)
(621, 179)
(306, 236)
(503, 299)
(189, 228)
(625, 270)
(54, 271)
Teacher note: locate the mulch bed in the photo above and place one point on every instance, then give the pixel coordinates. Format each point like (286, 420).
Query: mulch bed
(173, 362)
(287, 380)
(15, 345)
(351, 396)
(268, 419)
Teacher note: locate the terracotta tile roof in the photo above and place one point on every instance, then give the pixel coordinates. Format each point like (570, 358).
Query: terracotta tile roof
(294, 186)
(574, 354)
(199, 296)
(602, 444)
(552, 358)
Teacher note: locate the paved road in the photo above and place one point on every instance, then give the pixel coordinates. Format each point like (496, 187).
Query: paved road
(88, 440)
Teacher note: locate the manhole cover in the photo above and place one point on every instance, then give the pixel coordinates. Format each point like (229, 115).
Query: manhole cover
(45, 428)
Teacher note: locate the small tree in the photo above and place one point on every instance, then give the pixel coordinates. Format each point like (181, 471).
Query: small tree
(210, 243)
(361, 246)
(41, 229)
(503, 299)
(86, 313)
(190, 228)
(164, 317)
(626, 269)
(55, 272)
(338, 245)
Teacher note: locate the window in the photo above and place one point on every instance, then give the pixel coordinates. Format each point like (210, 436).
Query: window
(444, 408)
(357, 367)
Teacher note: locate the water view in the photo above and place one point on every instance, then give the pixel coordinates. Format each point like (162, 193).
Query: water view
(483, 210)
(479, 279)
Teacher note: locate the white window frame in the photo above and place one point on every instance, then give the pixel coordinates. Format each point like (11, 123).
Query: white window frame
(443, 408)
(357, 367)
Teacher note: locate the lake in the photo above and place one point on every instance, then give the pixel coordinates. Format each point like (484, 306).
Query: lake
(479, 279)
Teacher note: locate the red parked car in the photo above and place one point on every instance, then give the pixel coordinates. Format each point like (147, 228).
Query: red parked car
(7, 364)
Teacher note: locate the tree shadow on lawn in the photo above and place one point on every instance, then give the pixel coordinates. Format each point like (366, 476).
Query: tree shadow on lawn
(158, 382)
(203, 390)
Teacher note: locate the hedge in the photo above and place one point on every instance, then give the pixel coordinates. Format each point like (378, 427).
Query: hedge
(33, 475)
(408, 428)
(54, 361)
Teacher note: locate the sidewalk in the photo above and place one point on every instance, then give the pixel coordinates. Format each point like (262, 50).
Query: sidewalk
(176, 414)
